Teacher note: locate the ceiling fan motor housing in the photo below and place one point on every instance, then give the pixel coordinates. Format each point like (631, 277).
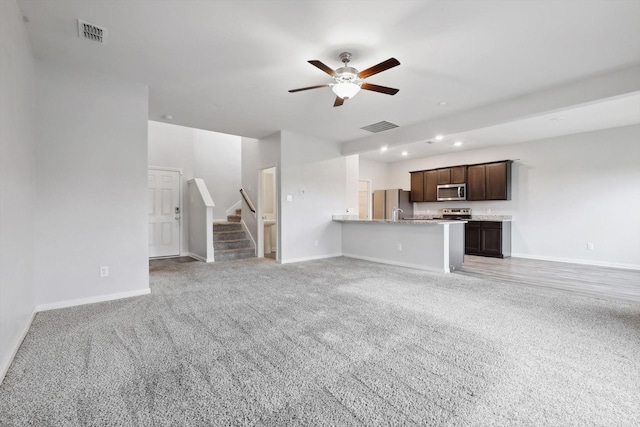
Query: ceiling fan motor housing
(347, 74)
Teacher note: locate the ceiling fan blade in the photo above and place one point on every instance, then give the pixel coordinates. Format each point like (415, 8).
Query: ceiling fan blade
(381, 89)
(323, 67)
(339, 102)
(307, 88)
(385, 65)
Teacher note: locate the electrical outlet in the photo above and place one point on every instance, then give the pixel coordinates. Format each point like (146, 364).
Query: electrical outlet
(104, 271)
(590, 246)
(399, 246)
(315, 243)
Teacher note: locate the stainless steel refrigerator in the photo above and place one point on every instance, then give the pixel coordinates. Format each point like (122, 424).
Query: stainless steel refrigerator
(385, 200)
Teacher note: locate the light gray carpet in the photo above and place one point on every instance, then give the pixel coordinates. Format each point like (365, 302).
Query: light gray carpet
(332, 342)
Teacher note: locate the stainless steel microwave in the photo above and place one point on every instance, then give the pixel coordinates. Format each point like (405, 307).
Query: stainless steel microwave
(452, 192)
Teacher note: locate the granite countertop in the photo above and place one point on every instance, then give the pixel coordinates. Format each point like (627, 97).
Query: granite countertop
(425, 219)
(350, 218)
(497, 218)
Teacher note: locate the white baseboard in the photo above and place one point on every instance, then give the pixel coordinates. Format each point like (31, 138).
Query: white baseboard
(200, 258)
(579, 261)
(92, 300)
(309, 258)
(399, 264)
(14, 347)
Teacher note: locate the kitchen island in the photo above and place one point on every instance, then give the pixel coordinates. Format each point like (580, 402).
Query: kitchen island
(436, 245)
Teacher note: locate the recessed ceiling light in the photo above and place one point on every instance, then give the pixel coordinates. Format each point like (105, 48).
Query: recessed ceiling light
(383, 148)
(443, 103)
(558, 118)
(439, 137)
(167, 117)
(457, 143)
(404, 153)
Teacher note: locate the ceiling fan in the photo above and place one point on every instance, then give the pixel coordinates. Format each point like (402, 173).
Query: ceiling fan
(349, 81)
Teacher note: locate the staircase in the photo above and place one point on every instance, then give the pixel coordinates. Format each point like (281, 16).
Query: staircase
(230, 241)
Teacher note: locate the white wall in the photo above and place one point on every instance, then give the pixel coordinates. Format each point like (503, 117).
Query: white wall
(250, 166)
(352, 184)
(217, 160)
(17, 182)
(91, 183)
(566, 191)
(314, 173)
(200, 220)
(211, 156)
(171, 147)
(377, 173)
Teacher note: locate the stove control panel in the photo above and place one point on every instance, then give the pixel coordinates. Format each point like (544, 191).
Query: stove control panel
(456, 211)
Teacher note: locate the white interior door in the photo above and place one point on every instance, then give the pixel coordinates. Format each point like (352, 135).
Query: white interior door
(364, 199)
(164, 213)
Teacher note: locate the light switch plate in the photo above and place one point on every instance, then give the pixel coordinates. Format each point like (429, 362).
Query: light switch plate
(104, 271)
(289, 198)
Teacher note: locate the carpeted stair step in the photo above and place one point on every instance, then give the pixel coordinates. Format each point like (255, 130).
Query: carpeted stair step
(230, 241)
(229, 254)
(228, 235)
(244, 243)
(237, 217)
(227, 226)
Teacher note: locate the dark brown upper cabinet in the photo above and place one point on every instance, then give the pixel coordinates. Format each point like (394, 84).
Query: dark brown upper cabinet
(458, 175)
(490, 181)
(431, 186)
(476, 183)
(487, 181)
(417, 186)
(444, 176)
(454, 175)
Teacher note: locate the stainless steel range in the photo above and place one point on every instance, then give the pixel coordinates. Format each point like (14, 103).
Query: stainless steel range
(456, 213)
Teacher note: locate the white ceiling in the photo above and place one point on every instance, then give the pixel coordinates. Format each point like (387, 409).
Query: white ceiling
(621, 111)
(227, 66)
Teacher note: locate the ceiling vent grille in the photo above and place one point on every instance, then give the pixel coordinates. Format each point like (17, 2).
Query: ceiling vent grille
(380, 127)
(92, 32)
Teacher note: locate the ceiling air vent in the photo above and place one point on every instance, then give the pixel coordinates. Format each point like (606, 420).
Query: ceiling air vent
(379, 127)
(92, 32)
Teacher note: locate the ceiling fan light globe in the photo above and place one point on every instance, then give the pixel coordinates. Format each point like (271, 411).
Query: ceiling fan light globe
(345, 90)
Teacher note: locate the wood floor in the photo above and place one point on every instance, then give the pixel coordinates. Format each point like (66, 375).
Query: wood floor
(600, 282)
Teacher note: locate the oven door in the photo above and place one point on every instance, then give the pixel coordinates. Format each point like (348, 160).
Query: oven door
(452, 192)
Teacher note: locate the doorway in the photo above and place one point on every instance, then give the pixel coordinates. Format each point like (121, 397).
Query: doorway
(364, 199)
(268, 214)
(165, 212)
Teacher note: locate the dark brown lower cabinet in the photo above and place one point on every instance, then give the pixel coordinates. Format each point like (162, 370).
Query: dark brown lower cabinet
(488, 238)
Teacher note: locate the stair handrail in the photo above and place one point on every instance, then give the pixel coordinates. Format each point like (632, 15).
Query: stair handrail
(245, 196)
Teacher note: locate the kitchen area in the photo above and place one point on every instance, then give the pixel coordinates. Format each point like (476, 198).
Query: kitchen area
(398, 232)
